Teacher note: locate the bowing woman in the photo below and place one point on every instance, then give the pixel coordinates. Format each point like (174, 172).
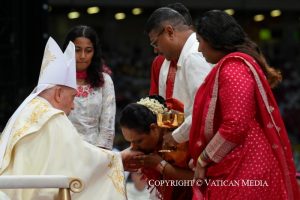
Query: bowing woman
(139, 126)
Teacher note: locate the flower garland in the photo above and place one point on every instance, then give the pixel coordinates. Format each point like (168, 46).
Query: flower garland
(152, 104)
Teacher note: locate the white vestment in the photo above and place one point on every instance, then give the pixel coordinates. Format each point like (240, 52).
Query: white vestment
(44, 142)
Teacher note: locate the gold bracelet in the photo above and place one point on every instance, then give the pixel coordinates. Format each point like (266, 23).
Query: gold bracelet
(201, 162)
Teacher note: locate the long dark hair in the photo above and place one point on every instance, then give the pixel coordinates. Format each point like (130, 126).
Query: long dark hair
(138, 117)
(94, 71)
(223, 33)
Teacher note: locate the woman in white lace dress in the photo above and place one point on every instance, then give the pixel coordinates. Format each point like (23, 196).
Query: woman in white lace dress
(95, 104)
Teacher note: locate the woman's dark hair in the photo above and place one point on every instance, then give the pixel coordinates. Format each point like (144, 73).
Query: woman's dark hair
(139, 117)
(94, 71)
(223, 33)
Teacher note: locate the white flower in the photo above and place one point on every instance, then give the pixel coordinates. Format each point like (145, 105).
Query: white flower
(153, 105)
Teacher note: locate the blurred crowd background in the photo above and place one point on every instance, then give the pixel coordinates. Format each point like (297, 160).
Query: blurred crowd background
(25, 27)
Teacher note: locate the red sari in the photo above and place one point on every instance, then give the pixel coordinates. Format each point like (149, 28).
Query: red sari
(237, 123)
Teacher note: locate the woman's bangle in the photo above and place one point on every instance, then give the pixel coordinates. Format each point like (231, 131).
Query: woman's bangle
(161, 166)
(205, 156)
(201, 161)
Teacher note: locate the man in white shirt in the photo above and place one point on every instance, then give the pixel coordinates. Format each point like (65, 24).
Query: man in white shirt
(184, 68)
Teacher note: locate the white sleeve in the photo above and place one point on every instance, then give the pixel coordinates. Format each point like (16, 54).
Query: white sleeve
(107, 117)
(195, 71)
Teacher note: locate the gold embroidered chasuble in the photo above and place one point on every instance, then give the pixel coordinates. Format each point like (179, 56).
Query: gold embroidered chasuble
(44, 142)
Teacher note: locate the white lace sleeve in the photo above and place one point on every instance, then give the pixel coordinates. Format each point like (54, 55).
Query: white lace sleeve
(107, 117)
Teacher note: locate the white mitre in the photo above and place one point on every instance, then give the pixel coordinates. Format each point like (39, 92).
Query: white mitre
(57, 68)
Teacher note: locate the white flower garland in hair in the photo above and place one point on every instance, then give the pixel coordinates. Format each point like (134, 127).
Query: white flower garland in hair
(153, 105)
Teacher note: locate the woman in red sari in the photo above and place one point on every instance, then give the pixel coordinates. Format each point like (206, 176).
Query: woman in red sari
(238, 140)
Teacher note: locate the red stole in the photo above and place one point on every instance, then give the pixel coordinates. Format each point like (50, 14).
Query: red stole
(171, 79)
(155, 71)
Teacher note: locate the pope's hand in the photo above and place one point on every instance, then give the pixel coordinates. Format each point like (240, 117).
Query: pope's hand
(149, 161)
(128, 159)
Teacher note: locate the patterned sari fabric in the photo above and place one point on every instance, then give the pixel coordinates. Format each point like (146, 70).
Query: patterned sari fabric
(236, 122)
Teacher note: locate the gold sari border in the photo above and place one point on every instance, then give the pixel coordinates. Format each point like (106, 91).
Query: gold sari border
(218, 148)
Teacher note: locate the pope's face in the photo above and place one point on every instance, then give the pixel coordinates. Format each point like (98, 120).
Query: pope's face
(67, 97)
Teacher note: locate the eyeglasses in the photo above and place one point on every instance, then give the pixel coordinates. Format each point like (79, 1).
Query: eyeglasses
(154, 42)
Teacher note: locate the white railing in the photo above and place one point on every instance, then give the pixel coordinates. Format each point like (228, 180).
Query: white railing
(64, 183)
